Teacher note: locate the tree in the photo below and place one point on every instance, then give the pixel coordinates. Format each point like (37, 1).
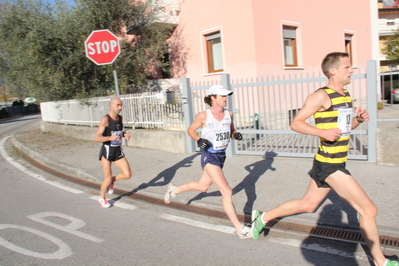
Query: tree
(42, 47)
(391, 49)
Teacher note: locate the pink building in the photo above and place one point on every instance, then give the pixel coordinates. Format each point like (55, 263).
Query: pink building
(256, 38)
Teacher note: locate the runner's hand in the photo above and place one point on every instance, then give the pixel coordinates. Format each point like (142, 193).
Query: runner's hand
(237, 136)
(203, 143)
(114, 137)
(331, 134)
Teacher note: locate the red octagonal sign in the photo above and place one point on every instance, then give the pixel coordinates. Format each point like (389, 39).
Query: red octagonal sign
(102, 47)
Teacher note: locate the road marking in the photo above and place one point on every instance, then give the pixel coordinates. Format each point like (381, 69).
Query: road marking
(63, 251)
(279, 240)
(115, 203)
(37, 176)
(71, 228)
(219, 228)
(316, 247)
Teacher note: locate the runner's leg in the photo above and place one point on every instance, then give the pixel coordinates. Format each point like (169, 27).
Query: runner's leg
(349, 190)
(309, 203)
(202, 185)
(218, 178)
(106, 166)
(123, 164)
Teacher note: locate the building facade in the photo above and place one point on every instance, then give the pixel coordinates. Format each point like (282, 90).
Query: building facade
(256, 38)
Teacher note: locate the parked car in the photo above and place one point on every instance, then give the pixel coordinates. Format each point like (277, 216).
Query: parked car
(395, 95)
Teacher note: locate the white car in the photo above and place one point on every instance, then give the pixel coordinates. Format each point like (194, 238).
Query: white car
(395, 95)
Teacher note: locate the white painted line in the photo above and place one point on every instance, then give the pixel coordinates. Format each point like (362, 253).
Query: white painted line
(316, 247)
(71, 228)
(37, 176)
(279, 240)
(63, 249)
(219, 228)
(117, 204)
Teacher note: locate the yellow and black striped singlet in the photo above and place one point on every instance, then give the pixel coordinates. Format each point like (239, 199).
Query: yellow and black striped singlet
(332, 151)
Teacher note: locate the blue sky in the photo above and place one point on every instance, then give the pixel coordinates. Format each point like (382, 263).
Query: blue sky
(70, 2)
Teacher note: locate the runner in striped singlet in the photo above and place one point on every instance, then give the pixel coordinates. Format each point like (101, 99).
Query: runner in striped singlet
(335, 117)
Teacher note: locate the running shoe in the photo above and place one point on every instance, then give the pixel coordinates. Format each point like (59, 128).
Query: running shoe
(104, 203)
(169, 193)
(391, 263)
(111, 188)
(245, 232)
(257, 224)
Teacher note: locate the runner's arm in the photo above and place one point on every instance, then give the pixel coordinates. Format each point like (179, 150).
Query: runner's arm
(361, 116)
(233, 130)
(198, 122)
(125, 135)
(313, 103)
(99, 134)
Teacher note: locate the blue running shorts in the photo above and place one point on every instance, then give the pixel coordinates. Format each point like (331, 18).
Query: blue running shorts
(213, 158)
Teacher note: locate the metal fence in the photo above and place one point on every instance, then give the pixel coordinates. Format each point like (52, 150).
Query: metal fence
(150, 110)
(264, 108)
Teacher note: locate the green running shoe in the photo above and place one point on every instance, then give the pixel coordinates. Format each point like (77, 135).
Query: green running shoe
(391, 263)
(257, 224)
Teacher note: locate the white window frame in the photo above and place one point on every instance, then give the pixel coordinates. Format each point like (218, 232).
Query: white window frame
(206, 36)
(353, 55)
(298, 44)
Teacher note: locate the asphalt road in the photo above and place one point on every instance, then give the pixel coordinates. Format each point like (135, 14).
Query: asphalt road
(46, 221)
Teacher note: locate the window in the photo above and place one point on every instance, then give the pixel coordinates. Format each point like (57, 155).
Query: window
(290, 46)
(348, 46)
(214, 52)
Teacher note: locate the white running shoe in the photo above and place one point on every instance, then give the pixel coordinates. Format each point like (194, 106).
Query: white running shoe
(111, 188)
(169, 193)
(245, 232)
(104, 203)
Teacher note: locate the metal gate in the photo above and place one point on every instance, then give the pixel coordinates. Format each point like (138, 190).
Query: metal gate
(264, 108)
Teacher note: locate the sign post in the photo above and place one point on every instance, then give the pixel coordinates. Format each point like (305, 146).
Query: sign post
(102, 47)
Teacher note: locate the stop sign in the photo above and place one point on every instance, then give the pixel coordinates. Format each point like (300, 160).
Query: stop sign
(102, 47)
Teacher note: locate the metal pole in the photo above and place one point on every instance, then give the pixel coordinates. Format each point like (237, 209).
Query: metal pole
(116, 80)
(225, 81)
(372, 90)
(187, 102)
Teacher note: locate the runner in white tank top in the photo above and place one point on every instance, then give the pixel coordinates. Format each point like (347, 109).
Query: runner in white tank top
(217, 132)
(217, 129)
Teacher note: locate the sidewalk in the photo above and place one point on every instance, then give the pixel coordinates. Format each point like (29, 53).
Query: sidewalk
(257, 182)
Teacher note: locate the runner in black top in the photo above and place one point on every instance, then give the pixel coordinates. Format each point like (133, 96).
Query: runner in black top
(110, 133)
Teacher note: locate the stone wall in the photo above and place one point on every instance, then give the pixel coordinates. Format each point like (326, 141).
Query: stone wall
(170, 141)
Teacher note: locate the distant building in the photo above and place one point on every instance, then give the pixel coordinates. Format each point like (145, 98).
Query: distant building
(388, 23)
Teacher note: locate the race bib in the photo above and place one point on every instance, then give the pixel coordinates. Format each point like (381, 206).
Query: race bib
(221, 138)
(345, 121)
(117, 142)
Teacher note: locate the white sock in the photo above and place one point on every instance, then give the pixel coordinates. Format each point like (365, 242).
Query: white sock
(261, 217)
(385, 263)
(172, 194)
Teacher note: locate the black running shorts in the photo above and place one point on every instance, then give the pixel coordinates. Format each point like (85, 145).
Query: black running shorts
(112, 154)
(321, 171)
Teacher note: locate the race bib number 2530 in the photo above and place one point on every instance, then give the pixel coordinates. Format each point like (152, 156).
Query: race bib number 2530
(221, 138)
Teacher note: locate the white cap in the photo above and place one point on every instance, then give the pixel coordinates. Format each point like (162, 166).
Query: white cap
(219, 90)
